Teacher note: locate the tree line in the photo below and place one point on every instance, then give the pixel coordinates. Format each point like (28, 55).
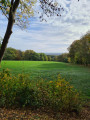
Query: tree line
(79, 51)
(14, 54)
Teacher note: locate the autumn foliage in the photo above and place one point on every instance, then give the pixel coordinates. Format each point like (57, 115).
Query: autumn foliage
(18, 91)
(79, 50)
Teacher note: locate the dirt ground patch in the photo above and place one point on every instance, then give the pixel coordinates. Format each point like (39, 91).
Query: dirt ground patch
(22, 114)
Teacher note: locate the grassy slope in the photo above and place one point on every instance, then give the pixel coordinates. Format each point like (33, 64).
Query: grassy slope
(79, 76)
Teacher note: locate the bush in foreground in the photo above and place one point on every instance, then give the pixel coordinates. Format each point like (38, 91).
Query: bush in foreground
(19, 91)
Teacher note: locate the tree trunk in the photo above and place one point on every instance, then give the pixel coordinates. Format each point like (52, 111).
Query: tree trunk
(7, 35)
(14, 6)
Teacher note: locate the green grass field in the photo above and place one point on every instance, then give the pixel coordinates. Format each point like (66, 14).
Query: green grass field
(78, 76)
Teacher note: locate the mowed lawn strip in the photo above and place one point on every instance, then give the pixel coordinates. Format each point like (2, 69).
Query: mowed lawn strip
(78, 76)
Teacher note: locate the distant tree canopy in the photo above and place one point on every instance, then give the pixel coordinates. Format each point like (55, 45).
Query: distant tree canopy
(79, 50)
(62, 58)
(10, 54)
(31, 55)
(14, 54)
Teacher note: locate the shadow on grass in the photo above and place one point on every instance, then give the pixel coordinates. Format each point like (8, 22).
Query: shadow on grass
(56, 65)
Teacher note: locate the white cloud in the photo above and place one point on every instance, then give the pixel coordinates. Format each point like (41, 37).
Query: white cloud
(58, 33)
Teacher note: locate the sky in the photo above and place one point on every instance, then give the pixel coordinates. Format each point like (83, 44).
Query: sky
(55, 35)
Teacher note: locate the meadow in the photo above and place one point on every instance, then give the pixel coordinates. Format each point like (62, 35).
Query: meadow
(78, 76)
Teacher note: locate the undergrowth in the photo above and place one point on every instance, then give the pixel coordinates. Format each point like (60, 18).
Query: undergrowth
(18, 91)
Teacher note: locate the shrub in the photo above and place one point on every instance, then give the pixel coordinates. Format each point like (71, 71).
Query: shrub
(15, 90)
(19, 91)
(59, 95)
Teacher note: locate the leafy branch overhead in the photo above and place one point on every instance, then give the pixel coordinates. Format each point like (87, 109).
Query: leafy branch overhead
(50, 8)
(26, 9)
(23, 12)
